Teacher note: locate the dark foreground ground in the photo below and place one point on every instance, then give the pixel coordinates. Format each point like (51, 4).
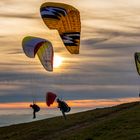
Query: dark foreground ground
(121, 122)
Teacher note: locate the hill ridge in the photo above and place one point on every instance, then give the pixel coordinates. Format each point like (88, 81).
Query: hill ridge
(95, 124)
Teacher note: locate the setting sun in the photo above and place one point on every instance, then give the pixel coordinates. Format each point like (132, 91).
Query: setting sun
(57, 61)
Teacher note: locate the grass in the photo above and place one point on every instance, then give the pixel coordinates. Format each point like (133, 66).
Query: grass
(120, 122)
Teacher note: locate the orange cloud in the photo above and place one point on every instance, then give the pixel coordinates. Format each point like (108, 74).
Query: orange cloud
(72, 103)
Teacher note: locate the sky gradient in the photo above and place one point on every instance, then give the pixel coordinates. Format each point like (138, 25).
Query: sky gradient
(104, 69)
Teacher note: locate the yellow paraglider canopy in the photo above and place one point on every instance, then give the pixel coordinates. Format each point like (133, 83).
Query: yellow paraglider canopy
(137, 61)
(43, 48)
(66, 19)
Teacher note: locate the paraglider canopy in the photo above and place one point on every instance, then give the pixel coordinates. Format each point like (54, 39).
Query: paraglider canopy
(43, 48)
(137, 61)
(50, 98)
(66, 19)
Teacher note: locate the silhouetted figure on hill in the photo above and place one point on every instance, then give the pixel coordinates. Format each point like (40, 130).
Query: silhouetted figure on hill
(35, 108)
(64, 108)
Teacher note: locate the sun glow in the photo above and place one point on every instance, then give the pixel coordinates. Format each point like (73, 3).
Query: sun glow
(57, 61)
(72, 103)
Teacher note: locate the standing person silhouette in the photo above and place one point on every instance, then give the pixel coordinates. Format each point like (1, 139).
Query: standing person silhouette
(63, 107)
(35, 108)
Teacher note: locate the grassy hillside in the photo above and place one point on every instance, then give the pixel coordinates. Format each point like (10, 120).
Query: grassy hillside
(121, 122)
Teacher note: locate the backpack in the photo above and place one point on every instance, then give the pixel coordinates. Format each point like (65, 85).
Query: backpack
(65, 107)
(37, 108)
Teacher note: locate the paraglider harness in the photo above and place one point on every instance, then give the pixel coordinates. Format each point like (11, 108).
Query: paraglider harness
(63, 106)
(35, 107)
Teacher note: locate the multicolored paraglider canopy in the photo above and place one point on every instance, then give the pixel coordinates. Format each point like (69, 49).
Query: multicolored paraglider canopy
(50, 98)
(43, 48)
(137, 61)
(66, 19)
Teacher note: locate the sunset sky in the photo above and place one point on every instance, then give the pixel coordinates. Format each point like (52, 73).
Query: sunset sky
(104, 69)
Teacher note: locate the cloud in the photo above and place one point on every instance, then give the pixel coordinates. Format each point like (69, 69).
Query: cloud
(104, 68)
(31, 16)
